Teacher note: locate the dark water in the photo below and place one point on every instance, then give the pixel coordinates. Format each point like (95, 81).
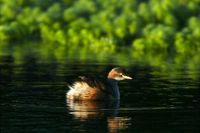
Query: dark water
(155, 101)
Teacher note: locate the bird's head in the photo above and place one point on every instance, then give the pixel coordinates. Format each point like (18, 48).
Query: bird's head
(118, 74)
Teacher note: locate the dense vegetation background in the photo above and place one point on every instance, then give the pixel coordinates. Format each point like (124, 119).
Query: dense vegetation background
(151, 31)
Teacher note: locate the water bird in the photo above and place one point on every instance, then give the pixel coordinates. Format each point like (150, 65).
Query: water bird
(90, 88)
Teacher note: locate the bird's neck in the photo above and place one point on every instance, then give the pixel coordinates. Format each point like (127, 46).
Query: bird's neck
(113, 89)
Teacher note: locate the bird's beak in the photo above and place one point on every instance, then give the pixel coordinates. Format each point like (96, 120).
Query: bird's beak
(126, 77)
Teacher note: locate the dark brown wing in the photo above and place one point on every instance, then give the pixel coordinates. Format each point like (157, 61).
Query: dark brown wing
(93, 82)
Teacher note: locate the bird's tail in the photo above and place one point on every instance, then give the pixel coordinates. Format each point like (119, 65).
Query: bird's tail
(70, 86)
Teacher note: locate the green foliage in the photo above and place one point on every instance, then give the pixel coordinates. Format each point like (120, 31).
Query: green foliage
(164, 28)
(188, 40)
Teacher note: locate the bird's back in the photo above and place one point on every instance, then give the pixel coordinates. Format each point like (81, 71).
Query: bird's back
(87, 88)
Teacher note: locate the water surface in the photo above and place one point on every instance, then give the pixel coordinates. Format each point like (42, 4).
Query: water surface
(33, 99)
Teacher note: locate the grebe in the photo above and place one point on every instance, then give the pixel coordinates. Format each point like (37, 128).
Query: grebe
(86, 88)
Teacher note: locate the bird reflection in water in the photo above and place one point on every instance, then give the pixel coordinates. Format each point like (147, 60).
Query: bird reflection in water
(118, 123)
(87, 110)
